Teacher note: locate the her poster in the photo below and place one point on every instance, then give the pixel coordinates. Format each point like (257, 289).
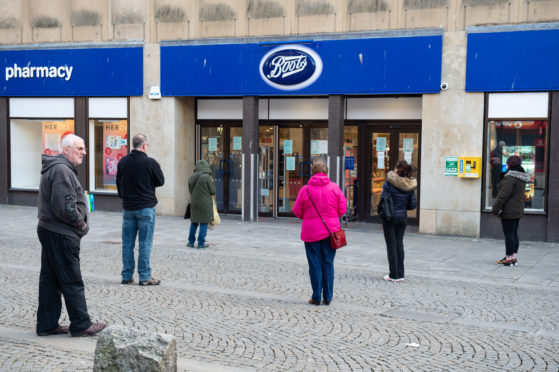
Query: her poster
(115, 139)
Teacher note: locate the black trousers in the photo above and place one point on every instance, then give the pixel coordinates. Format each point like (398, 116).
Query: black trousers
(394, 237)
(510, 228)
(60, 274)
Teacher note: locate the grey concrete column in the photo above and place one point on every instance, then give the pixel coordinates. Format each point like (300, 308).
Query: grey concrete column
(336, 111)
(250, 158)
(4, 122)
(553, 184)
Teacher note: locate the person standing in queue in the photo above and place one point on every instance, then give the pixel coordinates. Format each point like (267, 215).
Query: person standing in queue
(202, 189)
(136, 179)
(332, 204)
(63, 214)
(400, 184)
(509, 205)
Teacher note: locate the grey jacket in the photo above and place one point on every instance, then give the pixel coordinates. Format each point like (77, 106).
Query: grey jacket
(62, 203)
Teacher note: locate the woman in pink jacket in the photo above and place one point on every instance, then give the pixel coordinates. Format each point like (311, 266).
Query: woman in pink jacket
(331, 204)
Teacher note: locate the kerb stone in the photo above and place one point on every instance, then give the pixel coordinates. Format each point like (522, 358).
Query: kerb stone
(124, 349)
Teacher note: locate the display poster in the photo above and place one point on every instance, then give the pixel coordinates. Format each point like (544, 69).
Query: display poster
(323, 147)
(212, 144)
(287, 146)
(408, 145)
(290, 163)
(53, 131)
(115, 138)
(451, 166)
(381, 144)
(407, 157)
(237, 143)
(264, 192)
(314, 147)
(349, 163)
(380, 159)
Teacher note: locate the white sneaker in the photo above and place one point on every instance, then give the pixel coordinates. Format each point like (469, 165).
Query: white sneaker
(399, 280)
(389, 279)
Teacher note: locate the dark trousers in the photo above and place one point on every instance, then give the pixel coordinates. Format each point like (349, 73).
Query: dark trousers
(394, 237)
(510, 228)
(321, 268)
(60, 274)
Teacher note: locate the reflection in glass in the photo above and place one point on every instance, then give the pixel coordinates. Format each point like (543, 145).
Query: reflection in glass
(108, 142)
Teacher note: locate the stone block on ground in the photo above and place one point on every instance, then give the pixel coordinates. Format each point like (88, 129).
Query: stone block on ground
(125, 349)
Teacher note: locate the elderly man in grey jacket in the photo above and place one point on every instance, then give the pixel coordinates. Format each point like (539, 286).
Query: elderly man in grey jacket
(63, 216)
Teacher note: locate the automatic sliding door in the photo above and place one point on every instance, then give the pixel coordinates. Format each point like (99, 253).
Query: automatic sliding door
(291, 167)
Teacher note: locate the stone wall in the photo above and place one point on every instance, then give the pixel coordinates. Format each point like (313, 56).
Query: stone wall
(33, 21)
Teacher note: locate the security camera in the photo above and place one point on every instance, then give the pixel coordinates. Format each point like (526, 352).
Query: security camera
(444, 86)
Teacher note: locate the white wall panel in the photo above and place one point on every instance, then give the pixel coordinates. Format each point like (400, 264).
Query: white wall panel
(42, 108)
(518, 105)
(299, 109)
(389, 108)
(224, 109)
(114, 108)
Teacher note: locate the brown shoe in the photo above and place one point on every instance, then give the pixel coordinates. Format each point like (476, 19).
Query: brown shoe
(91, 331)
(129, 281)
(150, 281)
(313, 302)
(60, 330)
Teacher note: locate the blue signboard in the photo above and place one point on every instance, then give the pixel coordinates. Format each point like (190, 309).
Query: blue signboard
(513, 61)
(72, 72)
(402, 65)
(349, 163)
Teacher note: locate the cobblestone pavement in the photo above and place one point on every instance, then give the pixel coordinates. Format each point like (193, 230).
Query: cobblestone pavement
(242, 304)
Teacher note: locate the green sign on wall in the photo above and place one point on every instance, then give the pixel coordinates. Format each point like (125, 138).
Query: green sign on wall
(451, 167)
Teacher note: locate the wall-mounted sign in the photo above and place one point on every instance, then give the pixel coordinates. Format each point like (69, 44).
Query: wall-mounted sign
(72, 72)
(451, 166)
(367, 65)
(290, 67)
(349, 163)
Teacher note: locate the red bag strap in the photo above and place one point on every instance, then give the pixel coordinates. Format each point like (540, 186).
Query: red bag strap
(316, 209)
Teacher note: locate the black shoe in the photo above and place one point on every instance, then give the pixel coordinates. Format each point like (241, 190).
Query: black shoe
(60, 330)
(129, 281)
(326, 302)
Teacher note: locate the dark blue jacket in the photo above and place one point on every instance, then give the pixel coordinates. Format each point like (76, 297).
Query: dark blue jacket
(403, 195)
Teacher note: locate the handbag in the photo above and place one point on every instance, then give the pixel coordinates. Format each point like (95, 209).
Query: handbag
(385, 208)
(187, 212)
(216, 220)
(337, 238)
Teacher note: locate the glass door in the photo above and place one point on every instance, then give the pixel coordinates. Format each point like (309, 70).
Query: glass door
(292, 168)
(386, 146)
(266, 170)
(221, 147)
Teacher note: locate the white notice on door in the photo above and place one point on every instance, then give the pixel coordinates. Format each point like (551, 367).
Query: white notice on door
(407, 157)
(380, 160)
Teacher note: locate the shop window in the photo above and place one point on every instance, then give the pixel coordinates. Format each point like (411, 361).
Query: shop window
(37, 126)
(108, 141)
(522, 137)
(351, 183)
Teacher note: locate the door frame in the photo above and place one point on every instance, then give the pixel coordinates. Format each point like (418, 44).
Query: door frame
(365, 130)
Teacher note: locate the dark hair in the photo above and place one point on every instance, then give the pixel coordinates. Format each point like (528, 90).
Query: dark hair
(138, 140)
(319, 167)
(514, 161)
(404, 169)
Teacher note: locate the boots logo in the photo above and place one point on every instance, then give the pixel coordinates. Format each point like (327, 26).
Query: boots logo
(290, 67)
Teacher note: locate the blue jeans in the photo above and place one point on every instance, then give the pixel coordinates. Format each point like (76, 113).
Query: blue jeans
(141, 223)
(321, 268)
(201, 234)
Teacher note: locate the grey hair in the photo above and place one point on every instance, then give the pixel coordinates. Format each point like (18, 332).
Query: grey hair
(138, 140)
(69, 140)
(319, 167)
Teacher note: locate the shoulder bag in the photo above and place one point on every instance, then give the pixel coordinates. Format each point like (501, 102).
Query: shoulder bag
(337, 238)
(187, 211)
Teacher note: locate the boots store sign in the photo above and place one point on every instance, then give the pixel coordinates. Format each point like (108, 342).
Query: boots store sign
(368, 65)
(72, 72)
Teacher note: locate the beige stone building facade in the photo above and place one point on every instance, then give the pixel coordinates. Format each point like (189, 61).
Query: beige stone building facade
(463, 118)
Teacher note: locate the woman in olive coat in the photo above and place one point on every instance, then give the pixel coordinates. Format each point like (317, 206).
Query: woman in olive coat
(509, 205)
(202, 190)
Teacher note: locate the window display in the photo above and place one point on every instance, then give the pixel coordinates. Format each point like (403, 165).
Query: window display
(527, 139)
(29, 138)
(109, 144)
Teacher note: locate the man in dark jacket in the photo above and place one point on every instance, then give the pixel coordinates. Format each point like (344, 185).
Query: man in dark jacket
(509, 205)
(136, 179)
(62, 216)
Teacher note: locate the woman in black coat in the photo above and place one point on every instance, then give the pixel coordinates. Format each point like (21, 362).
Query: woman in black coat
(400, 185)
(509, 205)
